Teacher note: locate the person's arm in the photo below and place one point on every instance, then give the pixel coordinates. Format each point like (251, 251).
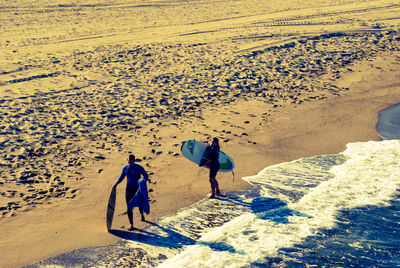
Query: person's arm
(206, 155)
(208, 162)
(121, 178)
(145, 175)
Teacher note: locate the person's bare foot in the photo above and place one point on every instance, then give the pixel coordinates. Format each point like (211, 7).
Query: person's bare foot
(131, 228)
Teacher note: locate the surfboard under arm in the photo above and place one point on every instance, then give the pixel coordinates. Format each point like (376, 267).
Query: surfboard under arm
(194, 151)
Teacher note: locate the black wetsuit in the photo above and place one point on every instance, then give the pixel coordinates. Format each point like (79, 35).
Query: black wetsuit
(212, 153)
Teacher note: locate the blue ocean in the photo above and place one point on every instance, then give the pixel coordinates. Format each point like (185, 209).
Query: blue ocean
(340, 210)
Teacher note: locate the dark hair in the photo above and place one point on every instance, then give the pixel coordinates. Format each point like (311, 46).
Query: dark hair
(132, 157)
(215, 139)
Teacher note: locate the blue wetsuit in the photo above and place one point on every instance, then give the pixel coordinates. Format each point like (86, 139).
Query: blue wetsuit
(133, 174)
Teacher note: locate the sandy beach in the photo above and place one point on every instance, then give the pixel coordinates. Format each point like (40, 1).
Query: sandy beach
(85, 83)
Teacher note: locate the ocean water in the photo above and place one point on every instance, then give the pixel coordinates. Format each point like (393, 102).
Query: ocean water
(339, 210)
(388, 125)
(333, 210)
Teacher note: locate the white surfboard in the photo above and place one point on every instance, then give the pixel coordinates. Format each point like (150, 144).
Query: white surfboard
(194, 151)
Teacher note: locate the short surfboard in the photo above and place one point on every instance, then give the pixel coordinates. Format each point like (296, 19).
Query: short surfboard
(194, 151)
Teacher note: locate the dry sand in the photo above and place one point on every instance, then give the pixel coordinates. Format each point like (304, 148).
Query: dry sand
(85, 83)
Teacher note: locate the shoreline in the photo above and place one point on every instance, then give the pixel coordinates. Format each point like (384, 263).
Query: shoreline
(337, 120)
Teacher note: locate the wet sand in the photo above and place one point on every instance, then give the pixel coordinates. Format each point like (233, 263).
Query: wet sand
(274, 85)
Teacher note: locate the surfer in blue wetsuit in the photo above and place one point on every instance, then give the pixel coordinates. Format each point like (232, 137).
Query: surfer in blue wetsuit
(132, 172)
(211, 154)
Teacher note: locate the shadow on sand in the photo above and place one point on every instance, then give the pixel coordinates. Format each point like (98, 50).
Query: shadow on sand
(167, 238)
(271, 209)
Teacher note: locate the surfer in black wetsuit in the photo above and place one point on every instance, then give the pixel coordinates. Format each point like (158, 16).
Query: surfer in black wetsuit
(132, 172)
(211, 154)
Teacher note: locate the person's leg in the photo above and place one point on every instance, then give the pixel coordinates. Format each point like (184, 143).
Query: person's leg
(130, 217)
(141, 213)
(128, 197)
(212, 183)
(216, 186)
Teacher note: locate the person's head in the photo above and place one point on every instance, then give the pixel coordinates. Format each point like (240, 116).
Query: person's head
(214, 142)
(131, 159)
